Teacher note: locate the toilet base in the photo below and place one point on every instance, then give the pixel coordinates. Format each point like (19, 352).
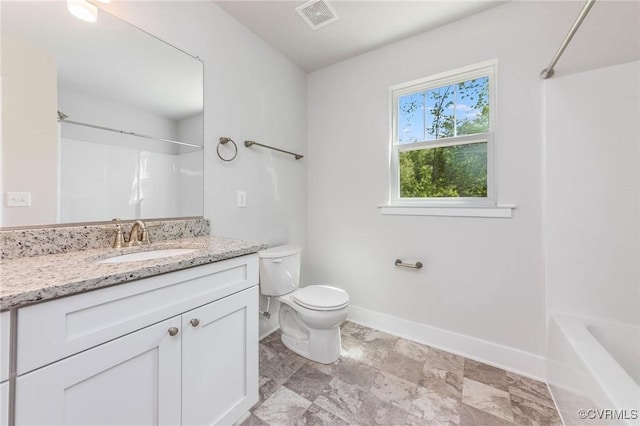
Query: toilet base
(326, 350)
(314, 335)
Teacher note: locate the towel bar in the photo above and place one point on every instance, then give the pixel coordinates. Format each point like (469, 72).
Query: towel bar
(417, 265)
(250, 143)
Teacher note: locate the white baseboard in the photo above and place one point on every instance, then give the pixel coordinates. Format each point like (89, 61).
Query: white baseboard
(505, 357)
(269, 332)
(241, 420)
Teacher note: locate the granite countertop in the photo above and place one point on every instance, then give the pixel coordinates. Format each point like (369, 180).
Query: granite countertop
(34, 279)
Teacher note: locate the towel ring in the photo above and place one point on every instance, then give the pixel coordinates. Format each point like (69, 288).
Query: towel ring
(223, 141)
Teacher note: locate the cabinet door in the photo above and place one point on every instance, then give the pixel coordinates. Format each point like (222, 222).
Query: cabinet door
(133, 380)
(220, 360)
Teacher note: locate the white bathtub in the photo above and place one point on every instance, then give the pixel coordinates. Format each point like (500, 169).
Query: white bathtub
(594, 365)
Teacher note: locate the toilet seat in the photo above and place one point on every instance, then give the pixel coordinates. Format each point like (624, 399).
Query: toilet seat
(321, 298)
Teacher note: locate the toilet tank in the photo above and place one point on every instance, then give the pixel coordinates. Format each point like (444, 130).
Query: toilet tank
(279, 270)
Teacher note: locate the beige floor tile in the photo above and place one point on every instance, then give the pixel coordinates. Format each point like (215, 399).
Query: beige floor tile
(397, 391)
(411, 349)
(384, 380)
(470, 416)
(402, 366)
(341, 399)
(284, 407)
(486, 374)
(435, 408)
(317, 416)
(487, 398)
(440, 360)
(530, 389)
(308, 382)
(529, 413)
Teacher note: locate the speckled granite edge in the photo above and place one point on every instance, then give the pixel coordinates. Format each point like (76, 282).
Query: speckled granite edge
(54, 240)
(30, 280)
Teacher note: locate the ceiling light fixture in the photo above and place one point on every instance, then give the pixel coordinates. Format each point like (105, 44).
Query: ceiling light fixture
(82, 9)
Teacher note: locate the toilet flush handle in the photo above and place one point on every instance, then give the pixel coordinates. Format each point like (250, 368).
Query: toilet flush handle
(277, 261)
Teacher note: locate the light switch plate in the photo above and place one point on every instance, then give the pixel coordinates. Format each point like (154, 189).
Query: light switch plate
(18, 199)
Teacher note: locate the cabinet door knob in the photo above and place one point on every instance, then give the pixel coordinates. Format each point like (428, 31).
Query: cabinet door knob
(195, 322)
(173, 331)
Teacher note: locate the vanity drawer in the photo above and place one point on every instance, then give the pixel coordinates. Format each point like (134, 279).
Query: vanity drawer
(54, 330)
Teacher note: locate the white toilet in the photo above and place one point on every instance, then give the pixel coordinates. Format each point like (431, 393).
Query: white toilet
(310, 317)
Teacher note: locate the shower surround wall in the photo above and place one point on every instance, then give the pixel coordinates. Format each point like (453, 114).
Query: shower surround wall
(481, 291)
(592, 243)
(105, 174)
(592, 194)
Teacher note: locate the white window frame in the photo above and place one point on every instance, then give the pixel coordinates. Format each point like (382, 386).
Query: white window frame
(483, 69)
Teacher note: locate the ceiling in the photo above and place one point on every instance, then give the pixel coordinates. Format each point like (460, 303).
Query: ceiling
(364, 25)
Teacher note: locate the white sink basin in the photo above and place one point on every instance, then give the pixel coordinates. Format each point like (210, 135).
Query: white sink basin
(146, 255)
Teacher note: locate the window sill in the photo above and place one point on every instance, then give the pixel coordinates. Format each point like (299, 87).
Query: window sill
(451, 211)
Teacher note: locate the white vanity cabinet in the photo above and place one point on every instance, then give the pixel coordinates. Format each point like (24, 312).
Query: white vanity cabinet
(220, 360)
(179, 348)
(131, 380)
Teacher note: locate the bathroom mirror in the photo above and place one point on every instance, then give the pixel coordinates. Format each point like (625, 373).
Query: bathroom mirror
(99, 120)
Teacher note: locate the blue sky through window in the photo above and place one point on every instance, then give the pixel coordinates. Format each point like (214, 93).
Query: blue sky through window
(457, 103)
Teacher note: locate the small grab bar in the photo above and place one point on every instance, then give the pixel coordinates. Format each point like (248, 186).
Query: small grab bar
(417, 265)
(249, 143)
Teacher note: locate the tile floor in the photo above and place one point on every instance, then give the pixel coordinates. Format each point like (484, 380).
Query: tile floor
(385, 380)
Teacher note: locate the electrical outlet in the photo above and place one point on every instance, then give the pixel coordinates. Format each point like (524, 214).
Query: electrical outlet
(18, 199)
(242, 199)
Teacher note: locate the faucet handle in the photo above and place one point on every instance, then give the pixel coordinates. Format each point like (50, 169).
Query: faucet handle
(119, 241)
(146, 235)
(145, 239)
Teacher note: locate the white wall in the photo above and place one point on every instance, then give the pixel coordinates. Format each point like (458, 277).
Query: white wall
(29, 133)
(251, 92)
(483, 278)
(592, 195)
(190, 129)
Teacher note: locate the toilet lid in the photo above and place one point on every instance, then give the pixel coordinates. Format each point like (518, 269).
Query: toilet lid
(321, 297)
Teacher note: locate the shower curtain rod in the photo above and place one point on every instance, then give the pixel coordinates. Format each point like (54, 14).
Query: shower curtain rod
(548, 71)
(109, 129)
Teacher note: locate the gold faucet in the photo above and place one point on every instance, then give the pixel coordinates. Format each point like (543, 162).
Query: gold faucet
(138, 236)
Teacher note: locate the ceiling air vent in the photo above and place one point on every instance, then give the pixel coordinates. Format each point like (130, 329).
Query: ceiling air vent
(317, 13)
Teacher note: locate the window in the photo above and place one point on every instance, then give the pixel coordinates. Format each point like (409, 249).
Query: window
(442, 139)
